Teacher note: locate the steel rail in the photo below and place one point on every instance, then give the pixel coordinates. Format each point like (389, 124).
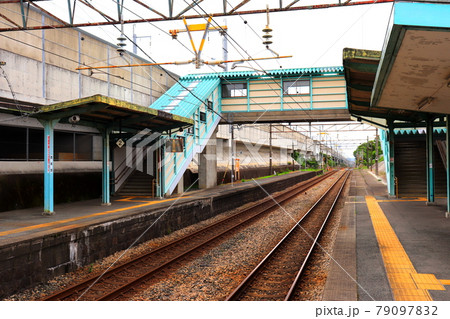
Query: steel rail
(300, 271)
(235, 220)
(268, 204)
(240, 289)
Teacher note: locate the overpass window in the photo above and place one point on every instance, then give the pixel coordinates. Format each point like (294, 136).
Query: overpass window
(234, 90)
(296, 87)
(202, 116)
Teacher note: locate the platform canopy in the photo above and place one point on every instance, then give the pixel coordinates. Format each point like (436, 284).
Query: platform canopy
(414, 71)
(360, 68)
(104, 112)
(107, 115)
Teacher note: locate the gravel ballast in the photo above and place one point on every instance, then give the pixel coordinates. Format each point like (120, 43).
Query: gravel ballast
(213, 275)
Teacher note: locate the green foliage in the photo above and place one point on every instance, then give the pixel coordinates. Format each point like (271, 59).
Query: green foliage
(312, 163)
(365, 154)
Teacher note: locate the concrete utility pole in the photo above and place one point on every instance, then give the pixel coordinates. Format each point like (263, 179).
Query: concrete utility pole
(270, 151)
(232, 152)
(367, 152)
(292, 156)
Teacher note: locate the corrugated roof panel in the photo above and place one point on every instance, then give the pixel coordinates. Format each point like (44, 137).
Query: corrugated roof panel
(332, 69)
(177, 100)
(240, 74)
(199, 95)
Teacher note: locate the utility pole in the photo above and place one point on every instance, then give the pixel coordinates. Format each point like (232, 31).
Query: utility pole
(367, 152)
(376, 153)
(232, 152)
(270, 151)
(293, 159)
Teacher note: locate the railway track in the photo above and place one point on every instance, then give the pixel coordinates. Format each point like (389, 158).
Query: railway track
(277, 276)
(121, 282)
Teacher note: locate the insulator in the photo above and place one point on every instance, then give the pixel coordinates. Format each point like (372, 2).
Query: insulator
(267, 36)
(121, 38)
(267, 42)
(267, 29)
(121, 44)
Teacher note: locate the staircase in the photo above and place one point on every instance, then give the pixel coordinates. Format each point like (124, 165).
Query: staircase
(194, 97)
(138, 184)
(197, 98)
(442, 147)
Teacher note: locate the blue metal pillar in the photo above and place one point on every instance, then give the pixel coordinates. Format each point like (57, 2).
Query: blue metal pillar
(447, 156)
(105, 169)
(391, 177)
(430, 161)
(48, 165)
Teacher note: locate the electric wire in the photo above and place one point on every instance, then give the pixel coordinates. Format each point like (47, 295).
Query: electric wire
(253, 30)
(360, 17)
(5, 76)
(76, 51)
(83, 54)
(190, 91)
(230, 38)
(262, 70)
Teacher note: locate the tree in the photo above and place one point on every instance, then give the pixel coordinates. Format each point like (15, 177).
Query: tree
(365, 154)
(312, 163)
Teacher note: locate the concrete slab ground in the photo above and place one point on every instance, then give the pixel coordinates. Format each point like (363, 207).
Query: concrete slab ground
(400, 247)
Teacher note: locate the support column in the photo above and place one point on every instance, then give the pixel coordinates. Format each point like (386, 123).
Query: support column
(207, 171)
(447, 157)
(106, 200)
(391, 177)
(180, 187)
(430, 161)
(48, 165)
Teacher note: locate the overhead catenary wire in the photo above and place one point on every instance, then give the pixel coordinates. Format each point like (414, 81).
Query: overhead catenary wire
(168, 73)
(183, 85)
(229, 82)
(317, 58)
(190, 91)
(71, 49)
(124, 7)
(262, 70)
(83, 54)
(5, 76)
(158, 83)
(74, 61)
(359, 18)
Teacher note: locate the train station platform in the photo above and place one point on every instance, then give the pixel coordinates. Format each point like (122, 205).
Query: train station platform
(35, 248)
(389, 249)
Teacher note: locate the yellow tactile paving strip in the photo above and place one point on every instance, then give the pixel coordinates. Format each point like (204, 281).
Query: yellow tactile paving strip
(405, 282)
(68, 220)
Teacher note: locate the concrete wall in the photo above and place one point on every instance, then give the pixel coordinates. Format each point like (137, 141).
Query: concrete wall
(27, 262)
(41, 66)
(252, 146)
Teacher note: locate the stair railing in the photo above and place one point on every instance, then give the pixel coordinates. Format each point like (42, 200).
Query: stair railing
(123, 171)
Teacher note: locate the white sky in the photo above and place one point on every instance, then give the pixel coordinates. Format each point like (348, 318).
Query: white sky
(314, 37)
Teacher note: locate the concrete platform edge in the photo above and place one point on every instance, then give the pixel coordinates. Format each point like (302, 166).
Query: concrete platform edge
(44, 255)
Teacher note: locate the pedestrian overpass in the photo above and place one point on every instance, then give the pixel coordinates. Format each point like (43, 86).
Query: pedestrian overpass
(182, 122)
(285, 95)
